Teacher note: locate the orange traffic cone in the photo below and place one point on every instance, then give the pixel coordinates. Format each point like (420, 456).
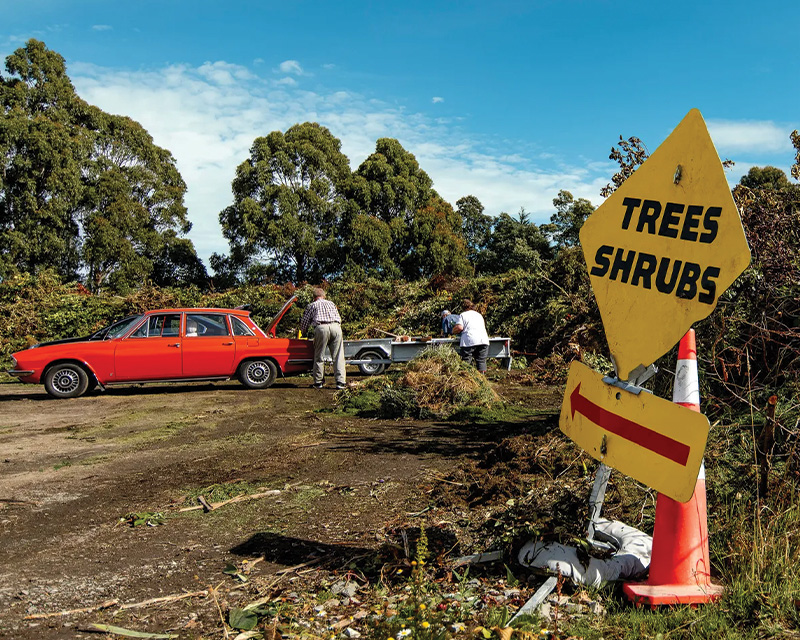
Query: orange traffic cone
(679, 565)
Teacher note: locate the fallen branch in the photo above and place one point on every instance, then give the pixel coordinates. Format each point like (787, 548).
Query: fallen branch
(299, 566)
(16, 501)
(129, 633)
(441, 479)
(249, 564)
(221, 615)
(216, 505)
(162, 599)
(112, 603)
(69, 612)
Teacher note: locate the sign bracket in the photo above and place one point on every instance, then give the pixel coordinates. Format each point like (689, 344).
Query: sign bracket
(637, 378)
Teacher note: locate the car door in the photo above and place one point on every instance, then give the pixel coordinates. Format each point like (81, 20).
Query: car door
(152, 351)
(208, 348)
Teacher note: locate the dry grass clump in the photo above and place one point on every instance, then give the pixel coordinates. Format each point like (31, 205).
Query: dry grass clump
(438, 383)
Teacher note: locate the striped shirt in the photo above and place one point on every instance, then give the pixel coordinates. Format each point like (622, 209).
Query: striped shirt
(321, 311)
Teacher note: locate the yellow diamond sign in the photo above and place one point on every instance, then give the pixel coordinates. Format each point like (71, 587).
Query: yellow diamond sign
(663, 247)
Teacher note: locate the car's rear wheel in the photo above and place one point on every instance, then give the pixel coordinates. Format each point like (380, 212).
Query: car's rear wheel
(370, 368)
(66, 381)
(257, 374)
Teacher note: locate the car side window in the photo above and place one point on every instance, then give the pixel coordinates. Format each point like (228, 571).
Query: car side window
(172, 326)
(206, 325)
(165, 324)
(240, 328)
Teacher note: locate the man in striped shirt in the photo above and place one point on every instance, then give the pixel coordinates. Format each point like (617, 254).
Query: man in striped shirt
(323, 315)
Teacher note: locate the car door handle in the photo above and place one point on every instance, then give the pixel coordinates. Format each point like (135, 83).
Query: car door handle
(174, 344)
(227, 344)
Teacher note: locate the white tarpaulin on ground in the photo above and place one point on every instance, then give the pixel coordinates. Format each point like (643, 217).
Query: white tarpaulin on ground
(631, 560)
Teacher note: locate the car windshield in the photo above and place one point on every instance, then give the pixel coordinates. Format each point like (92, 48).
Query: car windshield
(117, 329)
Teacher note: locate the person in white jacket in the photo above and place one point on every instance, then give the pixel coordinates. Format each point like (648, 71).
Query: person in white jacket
(474, 339)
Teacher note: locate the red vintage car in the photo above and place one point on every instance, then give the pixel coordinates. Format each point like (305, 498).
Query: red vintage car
(166, 345)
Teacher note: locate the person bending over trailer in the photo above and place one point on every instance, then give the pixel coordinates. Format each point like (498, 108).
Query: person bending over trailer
(474, 339)
(449, 321)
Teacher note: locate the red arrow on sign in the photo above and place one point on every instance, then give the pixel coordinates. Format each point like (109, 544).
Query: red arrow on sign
(652, 440)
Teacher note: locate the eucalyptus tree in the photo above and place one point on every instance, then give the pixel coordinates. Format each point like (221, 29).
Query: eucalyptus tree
(515, 243)
(384, 195)
(476, 225)
(436, 242)
(41, 154)
(84, 192)
(766, 178)
(287, 205)
(566, 222)
(133, 213)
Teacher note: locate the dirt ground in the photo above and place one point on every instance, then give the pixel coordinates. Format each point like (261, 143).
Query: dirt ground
(70, 470)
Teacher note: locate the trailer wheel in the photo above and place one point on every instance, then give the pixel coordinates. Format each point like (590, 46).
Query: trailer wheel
(369, 368)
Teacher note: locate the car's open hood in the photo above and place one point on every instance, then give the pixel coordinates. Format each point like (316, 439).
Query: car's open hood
(270, 328)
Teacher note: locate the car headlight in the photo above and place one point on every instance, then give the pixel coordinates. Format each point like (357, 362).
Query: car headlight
(13, 362)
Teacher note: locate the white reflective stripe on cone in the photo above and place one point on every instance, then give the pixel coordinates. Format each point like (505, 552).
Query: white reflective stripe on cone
(686, 389)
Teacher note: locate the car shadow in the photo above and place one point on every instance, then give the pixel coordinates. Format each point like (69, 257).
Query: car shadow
(157, 388)
(442, 439)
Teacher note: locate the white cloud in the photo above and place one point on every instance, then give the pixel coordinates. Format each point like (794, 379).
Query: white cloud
(437, 99)
(291, 66)
(102, 27)
(731, 136)
(11, 43)
(208, 117)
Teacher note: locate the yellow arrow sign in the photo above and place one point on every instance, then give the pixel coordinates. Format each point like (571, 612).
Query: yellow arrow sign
(663, 247)
(654, 441)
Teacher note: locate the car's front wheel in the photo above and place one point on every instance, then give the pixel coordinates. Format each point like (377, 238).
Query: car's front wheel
(66, 381)
(257, 374)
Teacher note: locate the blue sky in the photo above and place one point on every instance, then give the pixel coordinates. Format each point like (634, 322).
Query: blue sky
(506, 101)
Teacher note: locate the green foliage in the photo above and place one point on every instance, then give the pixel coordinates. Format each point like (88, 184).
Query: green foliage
(765, 178)
(82, 190)
(436, 383)
(39, 308)
(631, 155)
(476, 224)
(390, 184)
(288, 203)
(394, 223)
(365, 402)
(434, 243)
(143, 519)
(220, 492)
(243, 619)
(566, 222)
(515, 243)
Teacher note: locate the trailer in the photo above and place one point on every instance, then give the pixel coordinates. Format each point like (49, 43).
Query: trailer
(373, 356)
